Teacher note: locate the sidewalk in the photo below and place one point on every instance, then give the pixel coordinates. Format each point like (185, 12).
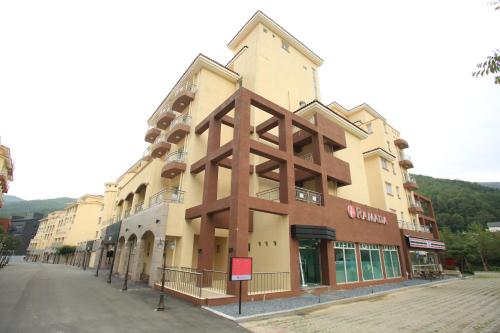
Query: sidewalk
(271, 307)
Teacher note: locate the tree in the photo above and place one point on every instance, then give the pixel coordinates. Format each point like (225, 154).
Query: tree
(492, 63)
(7, 242)
(483, 242)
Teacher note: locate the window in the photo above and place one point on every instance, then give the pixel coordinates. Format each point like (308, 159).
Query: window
(389, 146)
(397, 192)
(385, 128)
(393, 169)
(391, 262)
(284, 45)
(388, 188)
(402, 216)
(384, 164)
(346, 266)
(314, 83)
(371, 265)
(369, 128)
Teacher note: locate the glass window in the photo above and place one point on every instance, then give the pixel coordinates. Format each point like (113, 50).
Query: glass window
(391, 262)
(384, 164)
(371, 264)
(388, 188)
(369, 127)
(346, 267)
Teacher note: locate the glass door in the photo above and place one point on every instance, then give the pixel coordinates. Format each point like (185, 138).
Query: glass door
(309, 257)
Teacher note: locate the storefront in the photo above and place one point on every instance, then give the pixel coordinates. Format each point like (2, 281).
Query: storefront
(423, 254)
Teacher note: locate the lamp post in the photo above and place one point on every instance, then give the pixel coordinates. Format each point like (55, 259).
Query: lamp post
(112, 262)
(100, 259)
(161, 303)
(125, 285)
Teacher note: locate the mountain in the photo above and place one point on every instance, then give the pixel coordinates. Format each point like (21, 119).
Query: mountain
(21, 207)
(7, 199)
(491, 184)
(458, 203)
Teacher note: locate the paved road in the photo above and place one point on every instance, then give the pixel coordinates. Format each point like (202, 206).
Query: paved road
(59, 298)
(471, 305)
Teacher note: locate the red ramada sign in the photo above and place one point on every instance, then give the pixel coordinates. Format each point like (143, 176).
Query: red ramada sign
(362, 214)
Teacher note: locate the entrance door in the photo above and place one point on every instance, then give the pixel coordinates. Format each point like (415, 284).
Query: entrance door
(309, 252)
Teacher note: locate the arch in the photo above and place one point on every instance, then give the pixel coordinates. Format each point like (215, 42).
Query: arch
(147, 234)
(141, 187)
(121, 239)
(132, 238)
(129, 196)
(120, 202)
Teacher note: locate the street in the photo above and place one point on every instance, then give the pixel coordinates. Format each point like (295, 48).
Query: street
(471, 305)
(38, 297)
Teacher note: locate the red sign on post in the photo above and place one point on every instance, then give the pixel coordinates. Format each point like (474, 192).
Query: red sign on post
(241, 269)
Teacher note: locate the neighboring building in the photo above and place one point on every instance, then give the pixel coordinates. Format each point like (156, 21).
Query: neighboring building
(6, 171)
(5, 223)
(24, 228)
(493, 226)
(78, 222)
(245, 161)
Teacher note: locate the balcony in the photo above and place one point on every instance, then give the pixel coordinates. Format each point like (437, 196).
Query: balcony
(4, 181)
(301, 194)
(139, 207)
(306, 156)
(175, 163)
(401, 143)
(415, 207)
(165, 118)
(170, 195)
(179, 128)
(410, 226)
(151, 134)
(183, 96)
(160, 146)
(147, 154)
(410, 183)
(405, 161)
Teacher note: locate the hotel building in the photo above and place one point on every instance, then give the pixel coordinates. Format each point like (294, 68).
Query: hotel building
(6, 171)
(245, 160)
(77, 223)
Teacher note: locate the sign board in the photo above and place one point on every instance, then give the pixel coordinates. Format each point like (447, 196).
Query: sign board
(240, 269)
(425, 243)
(364, 215)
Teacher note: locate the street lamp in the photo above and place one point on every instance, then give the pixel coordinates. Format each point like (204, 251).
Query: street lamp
(163, 242)
(125, 285)
(100, 259)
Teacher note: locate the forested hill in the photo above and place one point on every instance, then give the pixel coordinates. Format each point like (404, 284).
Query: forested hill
(458, 204)
(17, 206)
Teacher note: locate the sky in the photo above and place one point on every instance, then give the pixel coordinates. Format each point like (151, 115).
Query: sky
(79, 79)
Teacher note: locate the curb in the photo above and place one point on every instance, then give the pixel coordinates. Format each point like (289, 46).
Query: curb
(328, 303)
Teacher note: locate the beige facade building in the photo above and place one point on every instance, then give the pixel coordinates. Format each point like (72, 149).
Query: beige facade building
(244, 160)
(78, 222)
(6, 171)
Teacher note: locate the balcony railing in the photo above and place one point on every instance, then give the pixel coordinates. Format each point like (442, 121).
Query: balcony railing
(185, 119)
(139, 206)
(306, 156)
(411, 226)
(268, 282)
(410, 179)
(273, 194)
(160, 138)
(415, 204)
(171, 195)
(303, 194)
(177, 156)
(189, 88)
(147, 153)
(405, 157)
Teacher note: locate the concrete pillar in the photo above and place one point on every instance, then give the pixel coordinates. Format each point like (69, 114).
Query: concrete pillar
(156, 261)
(136, 260)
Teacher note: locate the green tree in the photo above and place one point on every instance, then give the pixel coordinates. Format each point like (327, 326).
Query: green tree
(492, 63)
(483, 242)
(7, 242)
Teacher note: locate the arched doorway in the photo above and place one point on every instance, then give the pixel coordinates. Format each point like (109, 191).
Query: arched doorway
(146, 254)
(121, 256)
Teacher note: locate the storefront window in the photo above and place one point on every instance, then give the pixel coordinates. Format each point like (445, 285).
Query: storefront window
(391, 262)
(345, 262)
(371, 265)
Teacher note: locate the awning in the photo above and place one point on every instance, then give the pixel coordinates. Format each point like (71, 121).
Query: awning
(112, 233)
(423, 243)
(312, 232)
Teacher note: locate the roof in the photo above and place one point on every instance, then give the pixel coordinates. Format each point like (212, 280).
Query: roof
(367, 108)
(260, 17)
(345, 123)
(493, 224)
(201, 61)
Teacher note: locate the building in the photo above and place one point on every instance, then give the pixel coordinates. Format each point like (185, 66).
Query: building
(244, 160)
(24, 228)
(6, 171)
(77, 223)
(493, 226)
(5, 223)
